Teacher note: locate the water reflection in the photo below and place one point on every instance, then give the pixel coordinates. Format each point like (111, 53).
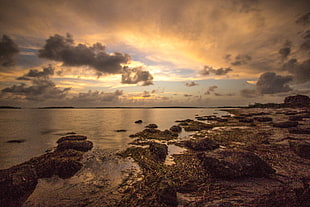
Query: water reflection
(42, 127)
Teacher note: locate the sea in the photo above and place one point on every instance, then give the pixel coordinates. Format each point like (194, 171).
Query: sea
(37, 131)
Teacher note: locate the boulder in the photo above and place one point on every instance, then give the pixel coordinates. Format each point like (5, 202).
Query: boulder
(121, 130)
(295, 118)
(16, 141)
(246, 120)
(286, 124)
(152, 126)
(201, 144)
(17, 184)
(229, 164)
(176, 129)
(71, 138)
(302, 148)
(139, 121)
(159, 151)
(83, 146)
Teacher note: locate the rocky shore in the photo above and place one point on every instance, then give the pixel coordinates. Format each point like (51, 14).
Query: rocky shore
(255, 157)
(18, 182)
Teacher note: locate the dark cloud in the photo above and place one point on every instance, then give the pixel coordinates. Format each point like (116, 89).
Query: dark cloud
(8, 49)
(241, 60)
(210, 89)
(304, 20)
(146, 94)
(284, 52)
(300, 71)
(62, 49)
(96, 97)
(306, 43)
(34, 73)
(225, 94)
(136, 75)
(248, 93)
(190, 84)
(270, 83)
(40, 90)
(210, 70)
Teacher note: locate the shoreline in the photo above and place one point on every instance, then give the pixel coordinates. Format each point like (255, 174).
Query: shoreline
(188, 179)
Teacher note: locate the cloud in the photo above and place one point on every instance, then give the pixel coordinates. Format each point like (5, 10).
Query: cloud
(136, 75)
(241, 60)
(8, 49)
(146, 94)
(304, 19)
(190, 84)
(284, 52)
(306, 43)
(248, 93)
(40, 90)
(210, 89)
(34, 73)
(300, 71)
(225, 94)
(271, 83)
(96, 97)
(207, 70)
(62, 49)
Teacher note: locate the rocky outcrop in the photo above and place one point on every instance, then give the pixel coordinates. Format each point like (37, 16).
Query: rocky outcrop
(18, 182)
(152, 126)
(298, 100)
(299, 130)
(234, 164)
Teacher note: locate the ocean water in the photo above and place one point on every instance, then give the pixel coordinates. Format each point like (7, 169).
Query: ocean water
(41, 128)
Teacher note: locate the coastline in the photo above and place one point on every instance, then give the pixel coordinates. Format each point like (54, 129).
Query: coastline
(187, 180)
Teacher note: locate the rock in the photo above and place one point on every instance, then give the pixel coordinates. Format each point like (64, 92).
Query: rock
(139, 121)
(83, 146)
(195, 126)
(176, 129)
(302, 148)
(263, 119)
(160, 151)
(295, 118)
(167, 193)
(121, 130)
(17, 184)
(298, 100)
(71, 138)
(16, 141)
(299, 131)
(234, 164)
(201, 144)
(246, 120)
(151, 126)
(286, 124)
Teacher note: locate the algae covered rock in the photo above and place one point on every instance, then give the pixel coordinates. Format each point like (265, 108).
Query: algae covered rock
(286, 124)
(201, 144)
(152, 126)
(176, 129)
(302, 148)
(17, 184)
(160, 151)
(71, 138)
(229, 164)
(83, 146)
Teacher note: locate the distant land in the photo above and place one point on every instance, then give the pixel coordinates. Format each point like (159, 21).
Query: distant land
(9, 107)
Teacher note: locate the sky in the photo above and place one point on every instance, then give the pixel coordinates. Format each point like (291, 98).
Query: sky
(153, 53)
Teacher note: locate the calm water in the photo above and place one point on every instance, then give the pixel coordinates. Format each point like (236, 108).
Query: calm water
(42, 127)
